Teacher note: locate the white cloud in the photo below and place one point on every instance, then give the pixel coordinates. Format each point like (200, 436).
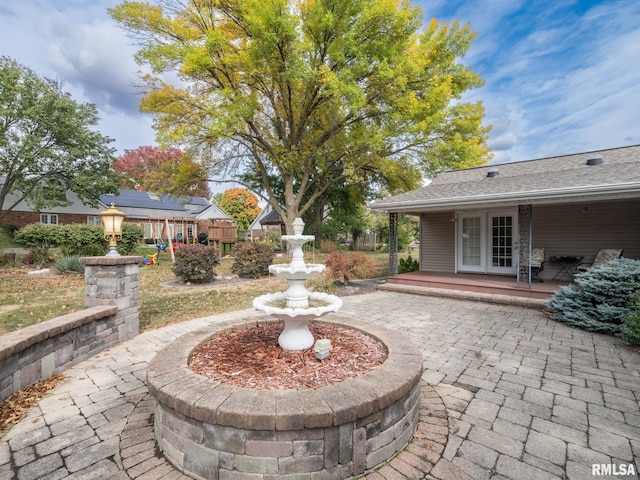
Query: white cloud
(561, 76)
(96, 58)
(76, 42)
(503, 142)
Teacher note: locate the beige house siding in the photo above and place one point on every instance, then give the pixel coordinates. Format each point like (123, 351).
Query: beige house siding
(437, 242)
(571, 229)
(584, 228)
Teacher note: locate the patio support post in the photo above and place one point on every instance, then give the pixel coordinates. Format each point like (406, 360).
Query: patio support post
(524, 244)
(393, 244)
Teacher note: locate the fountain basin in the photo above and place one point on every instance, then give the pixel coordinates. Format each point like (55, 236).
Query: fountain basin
(208, 429)
(266, 303)
(301, 272)
(296, 314)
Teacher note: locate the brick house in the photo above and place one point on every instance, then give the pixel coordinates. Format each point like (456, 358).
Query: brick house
(186, 217)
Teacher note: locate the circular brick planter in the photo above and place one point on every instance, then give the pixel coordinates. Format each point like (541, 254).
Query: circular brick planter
(208, 429)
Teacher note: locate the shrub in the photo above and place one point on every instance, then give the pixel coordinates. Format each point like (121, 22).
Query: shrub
(131, 237)
(39, 238)
(273, 238)
(408, 265)
(252, 259)
(74, 237)
(600, 297)
(195, 263)
(7, 233)
(346, 266)
(631, 321)
(93, 250)
(69, 264)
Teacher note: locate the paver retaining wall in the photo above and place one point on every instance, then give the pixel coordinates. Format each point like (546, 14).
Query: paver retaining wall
(37, 352)
(209, 429)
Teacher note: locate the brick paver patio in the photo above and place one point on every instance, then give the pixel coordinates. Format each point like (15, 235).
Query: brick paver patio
(507, 394)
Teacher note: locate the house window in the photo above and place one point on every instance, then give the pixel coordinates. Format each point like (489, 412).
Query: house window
(148, 230)
(93, 220)
(49, 218)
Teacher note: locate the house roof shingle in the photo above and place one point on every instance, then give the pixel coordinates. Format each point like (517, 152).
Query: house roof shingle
(142, 204)
(140, 199)
(546, 180)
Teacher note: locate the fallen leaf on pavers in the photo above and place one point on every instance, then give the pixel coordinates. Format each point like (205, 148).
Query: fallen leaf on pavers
(18, 405)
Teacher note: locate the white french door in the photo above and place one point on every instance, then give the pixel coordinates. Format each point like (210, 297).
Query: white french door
(472, 243)
(487, 242)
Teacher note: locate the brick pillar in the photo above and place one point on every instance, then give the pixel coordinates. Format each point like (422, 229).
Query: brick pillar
(115, 281)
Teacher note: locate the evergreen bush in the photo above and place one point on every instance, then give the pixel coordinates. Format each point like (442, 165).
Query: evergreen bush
(252, 259)
(346, 266)
(69, 264)
(631, 321)
(196, 263)
(600, 297)
(408, 265)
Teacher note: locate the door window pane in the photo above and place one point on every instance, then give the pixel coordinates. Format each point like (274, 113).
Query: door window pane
(502, 241)
(471, 234)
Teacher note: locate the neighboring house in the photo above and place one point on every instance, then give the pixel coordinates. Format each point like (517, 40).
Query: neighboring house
(267, 220)
(23, 214)
(186, 217)
(488, 219)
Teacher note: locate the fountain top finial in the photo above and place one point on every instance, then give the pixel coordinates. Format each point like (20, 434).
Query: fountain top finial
(298, 226)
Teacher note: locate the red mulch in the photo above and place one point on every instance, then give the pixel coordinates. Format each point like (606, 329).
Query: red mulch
(252, 358)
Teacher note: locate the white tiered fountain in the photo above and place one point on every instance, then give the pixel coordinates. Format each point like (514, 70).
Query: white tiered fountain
(297, 306)
(208, 428)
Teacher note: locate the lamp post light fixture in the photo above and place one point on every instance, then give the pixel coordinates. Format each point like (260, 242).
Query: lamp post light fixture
(112, 226)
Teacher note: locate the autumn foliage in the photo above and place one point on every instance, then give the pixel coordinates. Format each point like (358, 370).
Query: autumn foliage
(241, 205)
(346, 266)
(162, 171)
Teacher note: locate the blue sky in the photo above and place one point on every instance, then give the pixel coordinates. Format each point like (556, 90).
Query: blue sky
(560, 76)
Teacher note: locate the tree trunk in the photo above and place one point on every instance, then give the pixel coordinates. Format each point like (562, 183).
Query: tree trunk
(318, 219)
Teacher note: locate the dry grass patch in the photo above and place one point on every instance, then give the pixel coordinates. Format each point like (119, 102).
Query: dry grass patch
(26, 300)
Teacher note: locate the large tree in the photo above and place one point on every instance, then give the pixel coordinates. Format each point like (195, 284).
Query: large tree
(48, 144)
(158, 170)
(241, 205)
(312, 93)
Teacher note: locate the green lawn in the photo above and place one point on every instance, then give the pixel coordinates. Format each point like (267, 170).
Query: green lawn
(26, 300)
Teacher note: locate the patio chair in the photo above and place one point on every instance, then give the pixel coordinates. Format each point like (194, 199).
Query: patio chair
(603, 256)
(537, 264)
